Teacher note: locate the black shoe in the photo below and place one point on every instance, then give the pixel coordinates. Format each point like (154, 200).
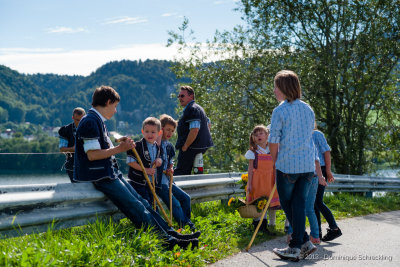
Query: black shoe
(184, 237)
(181, 243)
(331, 234)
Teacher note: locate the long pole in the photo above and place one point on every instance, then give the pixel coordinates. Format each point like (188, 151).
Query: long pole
(171, 178)
(262, 216)
(154, 186)
(150, 186)
(118, 138)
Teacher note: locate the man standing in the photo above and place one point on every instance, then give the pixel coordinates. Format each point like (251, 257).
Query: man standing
(193, 132)
(67, 140)
(95, 162)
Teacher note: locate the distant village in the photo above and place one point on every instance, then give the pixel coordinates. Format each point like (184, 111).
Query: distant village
(51, 131)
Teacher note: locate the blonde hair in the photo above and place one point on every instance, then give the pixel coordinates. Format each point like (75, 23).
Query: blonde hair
(258, 128)
(152, 121)
(288, 83)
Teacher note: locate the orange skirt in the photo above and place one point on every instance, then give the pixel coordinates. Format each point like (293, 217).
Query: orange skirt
(263, 181)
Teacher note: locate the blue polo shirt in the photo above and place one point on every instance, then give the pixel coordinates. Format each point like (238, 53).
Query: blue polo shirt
(292, 124)
(321, 144)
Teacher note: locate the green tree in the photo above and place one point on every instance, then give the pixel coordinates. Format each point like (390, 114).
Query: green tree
(345, 52)
(3, 115)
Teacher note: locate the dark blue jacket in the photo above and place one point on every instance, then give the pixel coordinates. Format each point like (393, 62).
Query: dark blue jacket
(191, 113)
(68, 132)
(169, 154)
(137, 177)
(92, 127)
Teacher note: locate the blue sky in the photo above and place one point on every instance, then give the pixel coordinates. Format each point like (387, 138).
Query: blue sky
(78, 36)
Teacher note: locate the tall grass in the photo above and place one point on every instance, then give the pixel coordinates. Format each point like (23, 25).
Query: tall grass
(107, 243)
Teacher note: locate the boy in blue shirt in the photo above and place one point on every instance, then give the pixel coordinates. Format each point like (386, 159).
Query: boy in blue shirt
(292, 123)
(150, 154)
(181, 207)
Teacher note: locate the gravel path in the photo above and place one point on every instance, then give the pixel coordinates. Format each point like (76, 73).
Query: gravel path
(372, 240)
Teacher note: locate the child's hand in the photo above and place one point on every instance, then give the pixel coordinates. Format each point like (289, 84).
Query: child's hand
(158, 162)
(330, 177)
(248, 188)
(126, 144)
(169, 171)
(321, 181)
(150, 171)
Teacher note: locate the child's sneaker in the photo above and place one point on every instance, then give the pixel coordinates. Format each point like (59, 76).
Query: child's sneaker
(332, 234)
(315, 241)
(292, 254)
(306, 249)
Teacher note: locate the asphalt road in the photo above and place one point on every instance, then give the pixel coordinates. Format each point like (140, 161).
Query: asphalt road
(372, 240)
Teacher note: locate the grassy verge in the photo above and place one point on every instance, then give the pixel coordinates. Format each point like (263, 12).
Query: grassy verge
(106, 243)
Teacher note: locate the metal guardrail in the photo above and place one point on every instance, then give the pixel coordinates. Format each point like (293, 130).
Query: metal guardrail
(34, 208)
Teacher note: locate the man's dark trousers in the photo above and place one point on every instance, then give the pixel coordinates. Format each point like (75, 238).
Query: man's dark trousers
(186, 160)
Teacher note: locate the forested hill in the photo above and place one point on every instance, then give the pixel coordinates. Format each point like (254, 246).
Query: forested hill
(48, 99)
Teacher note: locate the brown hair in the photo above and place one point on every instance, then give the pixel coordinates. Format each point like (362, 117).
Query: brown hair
(104, 93)
(288, 83)
(252, 144)
(189, 89)
(167, 119)
(152, 121)
(78, 111)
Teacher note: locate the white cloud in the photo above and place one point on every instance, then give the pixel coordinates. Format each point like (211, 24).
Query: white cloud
(79, 62)
(14, 50)
(84, 62)
(126, 20)
(61, 29)
(169, 14)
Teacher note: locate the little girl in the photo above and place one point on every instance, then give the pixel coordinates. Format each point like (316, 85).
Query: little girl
(261, 177)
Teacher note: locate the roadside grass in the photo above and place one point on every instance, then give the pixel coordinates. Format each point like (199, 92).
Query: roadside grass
(108, 243)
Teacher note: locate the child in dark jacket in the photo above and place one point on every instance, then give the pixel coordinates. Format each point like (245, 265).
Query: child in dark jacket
(150, 154)
(181, 207)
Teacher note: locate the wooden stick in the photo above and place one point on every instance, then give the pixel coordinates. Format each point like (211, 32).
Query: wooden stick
(171, 178)
(262, 217)
(150, 186)
(154, 186)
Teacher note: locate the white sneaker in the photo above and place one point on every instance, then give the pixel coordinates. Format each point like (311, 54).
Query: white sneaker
(292, 254)
(306, 249)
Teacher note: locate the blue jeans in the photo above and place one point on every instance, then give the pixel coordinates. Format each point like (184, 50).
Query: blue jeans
(293, 190)
(320, 206)
(135, 208)
(143, 191)
(310, 213)
(181, 208)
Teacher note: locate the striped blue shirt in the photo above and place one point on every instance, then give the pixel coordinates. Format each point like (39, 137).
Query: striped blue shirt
(292, 124)
(321, 144)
